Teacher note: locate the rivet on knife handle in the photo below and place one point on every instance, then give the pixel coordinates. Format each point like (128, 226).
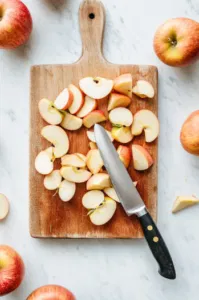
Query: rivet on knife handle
(158, 247)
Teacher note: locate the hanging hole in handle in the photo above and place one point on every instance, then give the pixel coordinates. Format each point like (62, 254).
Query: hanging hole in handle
(91, 16)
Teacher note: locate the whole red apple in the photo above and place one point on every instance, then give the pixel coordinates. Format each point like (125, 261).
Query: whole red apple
(51, 292)
(15, 23)
(11, 270)
(176, 42)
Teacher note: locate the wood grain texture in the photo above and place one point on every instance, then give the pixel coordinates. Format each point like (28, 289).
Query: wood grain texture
(49, 216)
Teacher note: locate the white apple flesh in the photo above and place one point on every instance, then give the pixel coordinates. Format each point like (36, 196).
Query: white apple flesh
(90, 104)
(4, 207)
(112, 193)
(78, 99)
(64, 100)
(143, 89)
(97, 87)
(93, 199)
(73, 160)
(103, 213)
(123, 84)
(142, 160)
(118, 100)
(122, 134)
(52, 181)
(67, 190)
(49, 113)
(146, 120)
(91, 136)
(71, 122)
(121, 116)
(94, 161)
(182, 202)
(98, 181)
(58, 137)
(96, 116)
(44, 161)
(73, 174)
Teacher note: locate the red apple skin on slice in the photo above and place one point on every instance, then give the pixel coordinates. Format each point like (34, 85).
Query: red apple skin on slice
(123, 84)
(90, 104)
(64, 100)
(124, 154)
(94, 117)
(78, 99)
(118, 100)
(142, 159)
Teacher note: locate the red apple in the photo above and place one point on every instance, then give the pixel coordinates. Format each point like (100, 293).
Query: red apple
(51, 292)
(189, 135)
(11, 270)
(176, 42)
(15, 23)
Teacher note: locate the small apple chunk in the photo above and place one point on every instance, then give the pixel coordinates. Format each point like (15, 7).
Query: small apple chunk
(92, 145)
(118, 100)
(121, 116)
(98, 181)
(122, 134)
(91, 136)
(123, 84)
(96, 116)
(93, 199)
(73, 160)
(124, 154)
(67, 190)
(90, 104)
(49, 113)
(78, 99)
(97, 87)
(52, 181)
(4, 207)
(64, 100)
(71, 122)
(182, 202)
(146, 120)
(73, 174)
(142, 160)
(58, 137)
(44, 161)
(112, 194)
(143, 89)
(94, 161)
(103, 213)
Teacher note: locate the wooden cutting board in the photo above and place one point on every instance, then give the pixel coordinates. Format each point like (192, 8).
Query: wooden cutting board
(49, 216)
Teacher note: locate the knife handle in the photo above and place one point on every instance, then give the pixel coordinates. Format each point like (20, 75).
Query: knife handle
(157, 246)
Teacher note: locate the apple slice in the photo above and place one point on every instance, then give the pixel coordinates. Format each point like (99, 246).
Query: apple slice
(92, 145)
(50, 114)
(64, 100)
(71, 122)
(94, 161)
(94, 117)
(118, 100)
(103, 213)
(142, 160)
(143, 89)
(73, 174)
(58, 137)
(182, 202)
(78, 99)
(4, 207)
(146, 120)
(44, 161)
(93, 199)
(53, 180)
(98, 181)
(91, 136)
(123, 84)
(73, 160)
(112, 193)
(82, 156)
(97, 87)
(67, 190)
(122, 134)
(124, 154)
(90, 104)
(121, 116)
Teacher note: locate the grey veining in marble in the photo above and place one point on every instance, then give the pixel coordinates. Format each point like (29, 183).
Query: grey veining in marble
(103, 270)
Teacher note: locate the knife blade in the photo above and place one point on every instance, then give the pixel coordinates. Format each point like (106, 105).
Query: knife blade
(132, 202)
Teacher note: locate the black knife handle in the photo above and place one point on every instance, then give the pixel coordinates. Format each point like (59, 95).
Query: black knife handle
(157, 246)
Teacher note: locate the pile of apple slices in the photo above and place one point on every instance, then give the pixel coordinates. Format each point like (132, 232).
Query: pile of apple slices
(75, 107)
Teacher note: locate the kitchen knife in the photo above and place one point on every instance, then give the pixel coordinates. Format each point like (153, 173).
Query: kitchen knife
(133, 203)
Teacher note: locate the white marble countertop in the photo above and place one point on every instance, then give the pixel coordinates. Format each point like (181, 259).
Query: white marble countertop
(103, 269)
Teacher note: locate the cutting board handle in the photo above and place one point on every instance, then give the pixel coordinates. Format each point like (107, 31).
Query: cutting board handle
(92, 19)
